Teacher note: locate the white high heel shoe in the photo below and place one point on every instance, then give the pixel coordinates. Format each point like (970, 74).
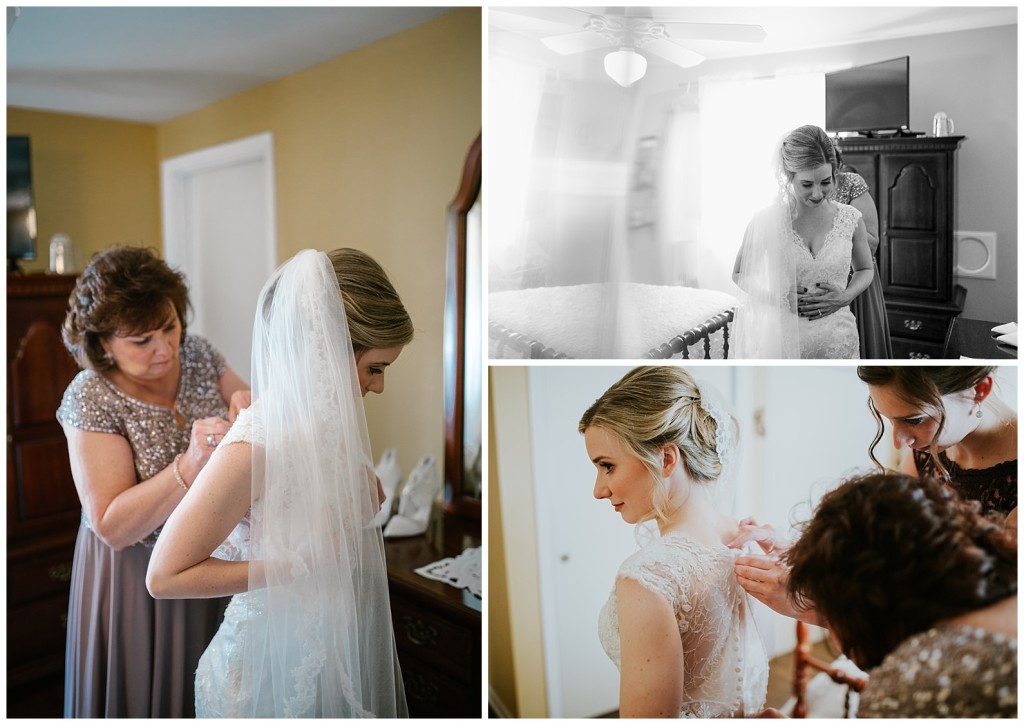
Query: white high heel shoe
(390, 474)
(416, 501)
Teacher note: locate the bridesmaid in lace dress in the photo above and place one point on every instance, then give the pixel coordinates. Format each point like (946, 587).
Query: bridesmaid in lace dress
(677, 624)
(954, 427)
(141, 420)
(919, 589)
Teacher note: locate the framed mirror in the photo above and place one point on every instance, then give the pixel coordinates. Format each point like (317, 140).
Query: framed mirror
(463, 360)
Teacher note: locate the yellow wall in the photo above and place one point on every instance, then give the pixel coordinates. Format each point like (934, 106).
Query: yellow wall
(368, 152)
(94, 179)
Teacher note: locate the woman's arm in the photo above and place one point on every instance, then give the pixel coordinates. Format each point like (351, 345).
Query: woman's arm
(651, 679)
(121, 511)
(860, 259)
(181, 567)
(866, 206)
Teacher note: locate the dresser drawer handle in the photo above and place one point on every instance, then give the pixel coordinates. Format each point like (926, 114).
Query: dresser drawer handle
(420, 689)
(418, 631)
(913, 324)
(920, 356)
(60, 572)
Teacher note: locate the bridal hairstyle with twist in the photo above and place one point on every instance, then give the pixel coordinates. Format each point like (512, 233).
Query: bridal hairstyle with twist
(123, 290)
(886, 556)
(924, 387)
(376, 316)
(803, 148)
(651, 407)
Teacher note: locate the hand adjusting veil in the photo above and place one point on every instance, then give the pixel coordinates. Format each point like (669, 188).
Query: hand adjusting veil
(323, 645)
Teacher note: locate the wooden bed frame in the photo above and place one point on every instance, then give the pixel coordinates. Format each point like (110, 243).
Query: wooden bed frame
(537, 350)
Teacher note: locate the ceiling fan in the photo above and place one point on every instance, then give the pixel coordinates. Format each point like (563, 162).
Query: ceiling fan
(627, 30)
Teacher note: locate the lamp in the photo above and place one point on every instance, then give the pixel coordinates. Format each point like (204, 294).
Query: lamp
(625, 66)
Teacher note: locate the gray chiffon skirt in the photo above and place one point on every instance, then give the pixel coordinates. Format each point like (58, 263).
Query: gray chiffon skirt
(872, 322)
(129, 655)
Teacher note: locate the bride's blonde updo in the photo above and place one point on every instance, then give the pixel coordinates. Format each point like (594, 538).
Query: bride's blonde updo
(802, 149)
(651, 407)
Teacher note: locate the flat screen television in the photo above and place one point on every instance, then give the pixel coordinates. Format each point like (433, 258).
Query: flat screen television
(869, 98)
(21, 211)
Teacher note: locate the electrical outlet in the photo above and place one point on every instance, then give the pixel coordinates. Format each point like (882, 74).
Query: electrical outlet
(975, 254)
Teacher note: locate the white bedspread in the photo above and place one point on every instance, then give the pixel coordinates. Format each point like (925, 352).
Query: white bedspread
(622, 320)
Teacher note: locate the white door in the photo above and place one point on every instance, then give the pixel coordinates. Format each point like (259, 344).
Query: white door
(220, 230)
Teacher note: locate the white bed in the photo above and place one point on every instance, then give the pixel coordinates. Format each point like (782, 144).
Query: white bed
(609, 321)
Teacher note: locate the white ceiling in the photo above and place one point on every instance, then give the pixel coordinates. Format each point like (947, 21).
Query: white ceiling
(787, 28)
(151, 64)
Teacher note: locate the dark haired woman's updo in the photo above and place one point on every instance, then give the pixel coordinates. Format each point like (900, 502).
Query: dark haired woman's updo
(123, 290)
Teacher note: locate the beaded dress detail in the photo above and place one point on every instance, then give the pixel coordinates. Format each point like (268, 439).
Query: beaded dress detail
(948, 671)
(725, 670)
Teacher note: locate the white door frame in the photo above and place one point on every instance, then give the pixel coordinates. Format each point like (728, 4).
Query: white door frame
(175, 173)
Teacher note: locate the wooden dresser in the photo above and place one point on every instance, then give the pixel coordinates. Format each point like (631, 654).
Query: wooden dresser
(43, 510)
(913, 183)
(437, 635)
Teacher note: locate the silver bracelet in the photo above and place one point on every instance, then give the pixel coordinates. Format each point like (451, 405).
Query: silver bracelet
(177, 473)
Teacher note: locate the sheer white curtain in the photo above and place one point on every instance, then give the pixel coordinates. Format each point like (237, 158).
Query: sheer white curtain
(741, 124)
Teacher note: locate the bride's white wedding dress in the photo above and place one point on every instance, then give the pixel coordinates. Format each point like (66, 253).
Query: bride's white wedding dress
(221, 690)
(833, 336)
(725, 668)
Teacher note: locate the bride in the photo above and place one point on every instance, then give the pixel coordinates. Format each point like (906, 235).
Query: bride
(677, 623)
(282, 516)
(794, 263)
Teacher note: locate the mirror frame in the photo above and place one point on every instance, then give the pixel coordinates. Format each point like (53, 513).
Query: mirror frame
(456, 502)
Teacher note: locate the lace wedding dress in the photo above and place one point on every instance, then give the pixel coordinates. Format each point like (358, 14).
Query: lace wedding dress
(312, 636)
(834, 336)
(725, 668)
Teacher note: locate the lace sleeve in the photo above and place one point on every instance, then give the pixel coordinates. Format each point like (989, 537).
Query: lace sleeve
(245, 429)
(659, 573)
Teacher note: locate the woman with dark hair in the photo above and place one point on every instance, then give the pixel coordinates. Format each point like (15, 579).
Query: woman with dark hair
(141, 420)
(918, 588)
(869, 306)
(795, 260)
(954, 427)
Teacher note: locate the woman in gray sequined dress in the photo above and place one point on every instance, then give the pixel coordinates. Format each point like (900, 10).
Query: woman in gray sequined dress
(919, 589)
(141, 420)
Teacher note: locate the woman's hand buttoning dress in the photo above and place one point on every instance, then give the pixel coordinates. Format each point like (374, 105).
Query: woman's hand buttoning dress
(141, 419)
(795, 260)
(283, 516)
(677, 624)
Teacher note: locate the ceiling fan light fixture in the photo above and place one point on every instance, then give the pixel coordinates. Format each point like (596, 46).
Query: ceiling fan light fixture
(625, 66)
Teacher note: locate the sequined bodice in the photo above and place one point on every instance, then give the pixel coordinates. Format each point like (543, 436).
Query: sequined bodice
(725, 670)
(948, 671)
(93, 403)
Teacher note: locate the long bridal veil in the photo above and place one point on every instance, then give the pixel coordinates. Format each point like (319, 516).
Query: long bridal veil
(323, 645)
(767, 324)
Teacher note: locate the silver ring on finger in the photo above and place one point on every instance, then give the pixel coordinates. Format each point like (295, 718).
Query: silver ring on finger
(211, 440)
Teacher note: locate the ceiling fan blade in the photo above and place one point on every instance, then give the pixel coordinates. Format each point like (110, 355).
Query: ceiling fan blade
(677, 54)
(580, 42)
(734, 32)
(550, 20)
(517, 22)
